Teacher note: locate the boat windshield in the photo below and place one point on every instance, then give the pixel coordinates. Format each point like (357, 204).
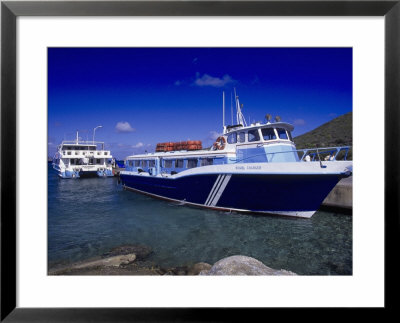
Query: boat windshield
(268, 133)
(253, 135)
(282, 133)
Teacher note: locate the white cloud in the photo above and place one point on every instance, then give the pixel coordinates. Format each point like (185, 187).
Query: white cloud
(299, 122)
(124, 127)
(138, 145)
(178, 83)
(208, 80)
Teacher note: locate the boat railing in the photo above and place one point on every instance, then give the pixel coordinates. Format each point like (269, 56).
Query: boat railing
(81, 142)
(315, 154)
(329, 153)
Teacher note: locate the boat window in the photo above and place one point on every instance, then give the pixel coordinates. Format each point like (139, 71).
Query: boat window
(242, 137)
(207, 161)
(191, 163)
(179, 163)
(232, 138)
(282, 133)
(130, 163)
(152, 163)
(268, 134)
(72, 161)
(137, 163)
(168, 163)
(253, 135)
(290, 135)
(97, 161)
(144, 163)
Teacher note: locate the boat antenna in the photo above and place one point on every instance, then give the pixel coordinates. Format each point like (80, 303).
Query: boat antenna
(223, 111)
(231, 110)
(77, 137)
(239, 115)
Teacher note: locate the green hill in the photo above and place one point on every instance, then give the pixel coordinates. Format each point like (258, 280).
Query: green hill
(337, 132)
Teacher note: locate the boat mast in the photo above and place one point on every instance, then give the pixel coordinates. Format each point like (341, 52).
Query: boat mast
(239, 115)
(231, 110)
(223, 112)
(77, 137)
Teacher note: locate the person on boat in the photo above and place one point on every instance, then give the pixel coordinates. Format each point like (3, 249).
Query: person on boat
(329, 157)
(307, 158)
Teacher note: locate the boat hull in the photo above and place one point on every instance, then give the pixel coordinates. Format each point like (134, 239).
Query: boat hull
(297, 195)
(63, 173)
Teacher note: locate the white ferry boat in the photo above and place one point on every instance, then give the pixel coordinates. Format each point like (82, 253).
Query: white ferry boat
(250, 168)
(78, 159)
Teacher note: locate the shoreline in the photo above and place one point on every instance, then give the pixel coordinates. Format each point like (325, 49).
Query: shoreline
(123, 262)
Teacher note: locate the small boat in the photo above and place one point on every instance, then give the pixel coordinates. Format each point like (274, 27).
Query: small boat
(79, 159)
(250, 168)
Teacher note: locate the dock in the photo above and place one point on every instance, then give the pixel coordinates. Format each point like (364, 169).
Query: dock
(116, 170)
(341, 197)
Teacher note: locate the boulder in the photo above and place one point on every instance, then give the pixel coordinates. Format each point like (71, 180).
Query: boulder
(203, 272)
(245, 266)
(176, 271)
(115, 261)
(199, 267)
(140, 251)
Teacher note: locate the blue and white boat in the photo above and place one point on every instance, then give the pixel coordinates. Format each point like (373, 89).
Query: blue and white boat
(78, 159)
(250, 168)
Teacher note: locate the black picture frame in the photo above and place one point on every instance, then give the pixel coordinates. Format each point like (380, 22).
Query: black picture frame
(10, 10)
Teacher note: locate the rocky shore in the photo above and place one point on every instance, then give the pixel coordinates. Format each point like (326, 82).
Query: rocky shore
(132, 260)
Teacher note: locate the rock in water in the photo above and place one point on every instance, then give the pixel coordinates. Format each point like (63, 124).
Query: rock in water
(199, 267)
(242, 265)
(140, 251)
(115, 261)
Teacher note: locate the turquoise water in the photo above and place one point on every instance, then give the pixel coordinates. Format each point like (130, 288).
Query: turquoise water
(87, 217)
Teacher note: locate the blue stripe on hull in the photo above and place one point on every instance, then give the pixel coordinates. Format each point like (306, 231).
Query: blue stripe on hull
(258, 193)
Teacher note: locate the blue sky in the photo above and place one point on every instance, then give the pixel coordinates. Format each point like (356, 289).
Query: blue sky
(142, 96)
